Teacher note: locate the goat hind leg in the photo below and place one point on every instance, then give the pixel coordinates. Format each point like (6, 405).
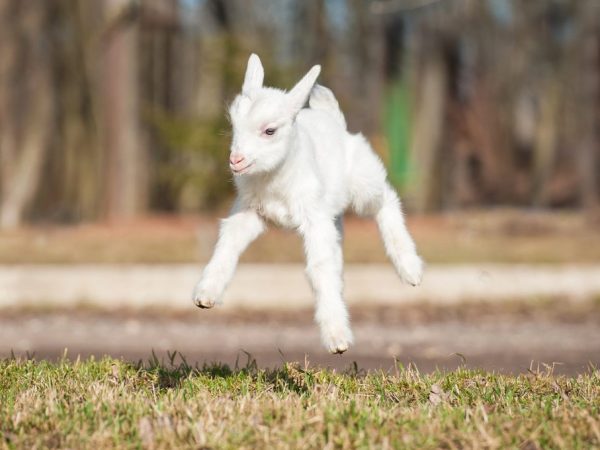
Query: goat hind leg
(398, 243)
(371, 195)
(324, 271)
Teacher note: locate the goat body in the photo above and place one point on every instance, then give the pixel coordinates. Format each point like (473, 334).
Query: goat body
(301, 169)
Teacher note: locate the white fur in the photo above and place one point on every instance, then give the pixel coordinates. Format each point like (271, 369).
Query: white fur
(304, 176)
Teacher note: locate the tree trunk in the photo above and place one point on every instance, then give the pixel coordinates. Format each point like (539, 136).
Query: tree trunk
(589, 95)
(546, 144)
(24, 142)
(428, 132)
(126, 193)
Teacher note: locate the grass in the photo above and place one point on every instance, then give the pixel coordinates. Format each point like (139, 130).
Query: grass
(114, 404)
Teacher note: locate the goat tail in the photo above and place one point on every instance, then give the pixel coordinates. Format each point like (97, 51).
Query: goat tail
(321, 98)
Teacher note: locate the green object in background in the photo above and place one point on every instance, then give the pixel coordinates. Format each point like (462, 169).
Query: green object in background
(398, 125)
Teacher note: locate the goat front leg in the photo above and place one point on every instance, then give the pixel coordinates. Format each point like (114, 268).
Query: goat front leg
(324, 270)
(235, 234)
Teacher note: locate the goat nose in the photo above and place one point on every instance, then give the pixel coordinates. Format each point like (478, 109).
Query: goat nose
(235, 159)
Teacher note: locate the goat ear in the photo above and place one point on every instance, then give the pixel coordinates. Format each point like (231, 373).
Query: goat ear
(298, 96)
(255, 75)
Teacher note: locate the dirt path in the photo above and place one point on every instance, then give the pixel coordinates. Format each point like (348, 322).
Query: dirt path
(269, 286)
(268, 314)
(506, 340)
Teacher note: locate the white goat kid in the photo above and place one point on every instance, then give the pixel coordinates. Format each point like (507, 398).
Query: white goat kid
(300, 168)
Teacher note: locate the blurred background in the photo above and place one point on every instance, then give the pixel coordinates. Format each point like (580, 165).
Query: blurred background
(114, 145)
(116, 108)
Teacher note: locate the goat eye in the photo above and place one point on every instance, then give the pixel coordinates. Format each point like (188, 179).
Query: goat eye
(270, 131)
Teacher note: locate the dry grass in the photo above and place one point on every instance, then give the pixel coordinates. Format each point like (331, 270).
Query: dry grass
(507, 236)
(113, 404)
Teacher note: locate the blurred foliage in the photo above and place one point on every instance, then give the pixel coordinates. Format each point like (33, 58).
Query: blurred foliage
(398, 126)
(193, 172)
(119, 105)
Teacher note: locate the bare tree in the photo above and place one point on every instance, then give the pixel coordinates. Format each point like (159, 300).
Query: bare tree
(126, 174)
(588, 97)
(25, 63)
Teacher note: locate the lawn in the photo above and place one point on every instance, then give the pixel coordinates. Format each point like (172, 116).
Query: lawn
(114, 404)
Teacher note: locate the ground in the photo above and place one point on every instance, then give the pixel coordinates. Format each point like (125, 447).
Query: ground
(507, 337)
(483, 372)
(555, 330)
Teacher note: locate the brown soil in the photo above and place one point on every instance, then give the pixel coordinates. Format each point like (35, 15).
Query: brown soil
(509, 338)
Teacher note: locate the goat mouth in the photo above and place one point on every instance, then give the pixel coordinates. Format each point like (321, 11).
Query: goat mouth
(242, 170)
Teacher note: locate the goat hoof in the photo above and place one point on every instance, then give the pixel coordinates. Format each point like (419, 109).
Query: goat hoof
(411, 269)
(204, 304)
(336, 337)
(339, 350)
(205, 295)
